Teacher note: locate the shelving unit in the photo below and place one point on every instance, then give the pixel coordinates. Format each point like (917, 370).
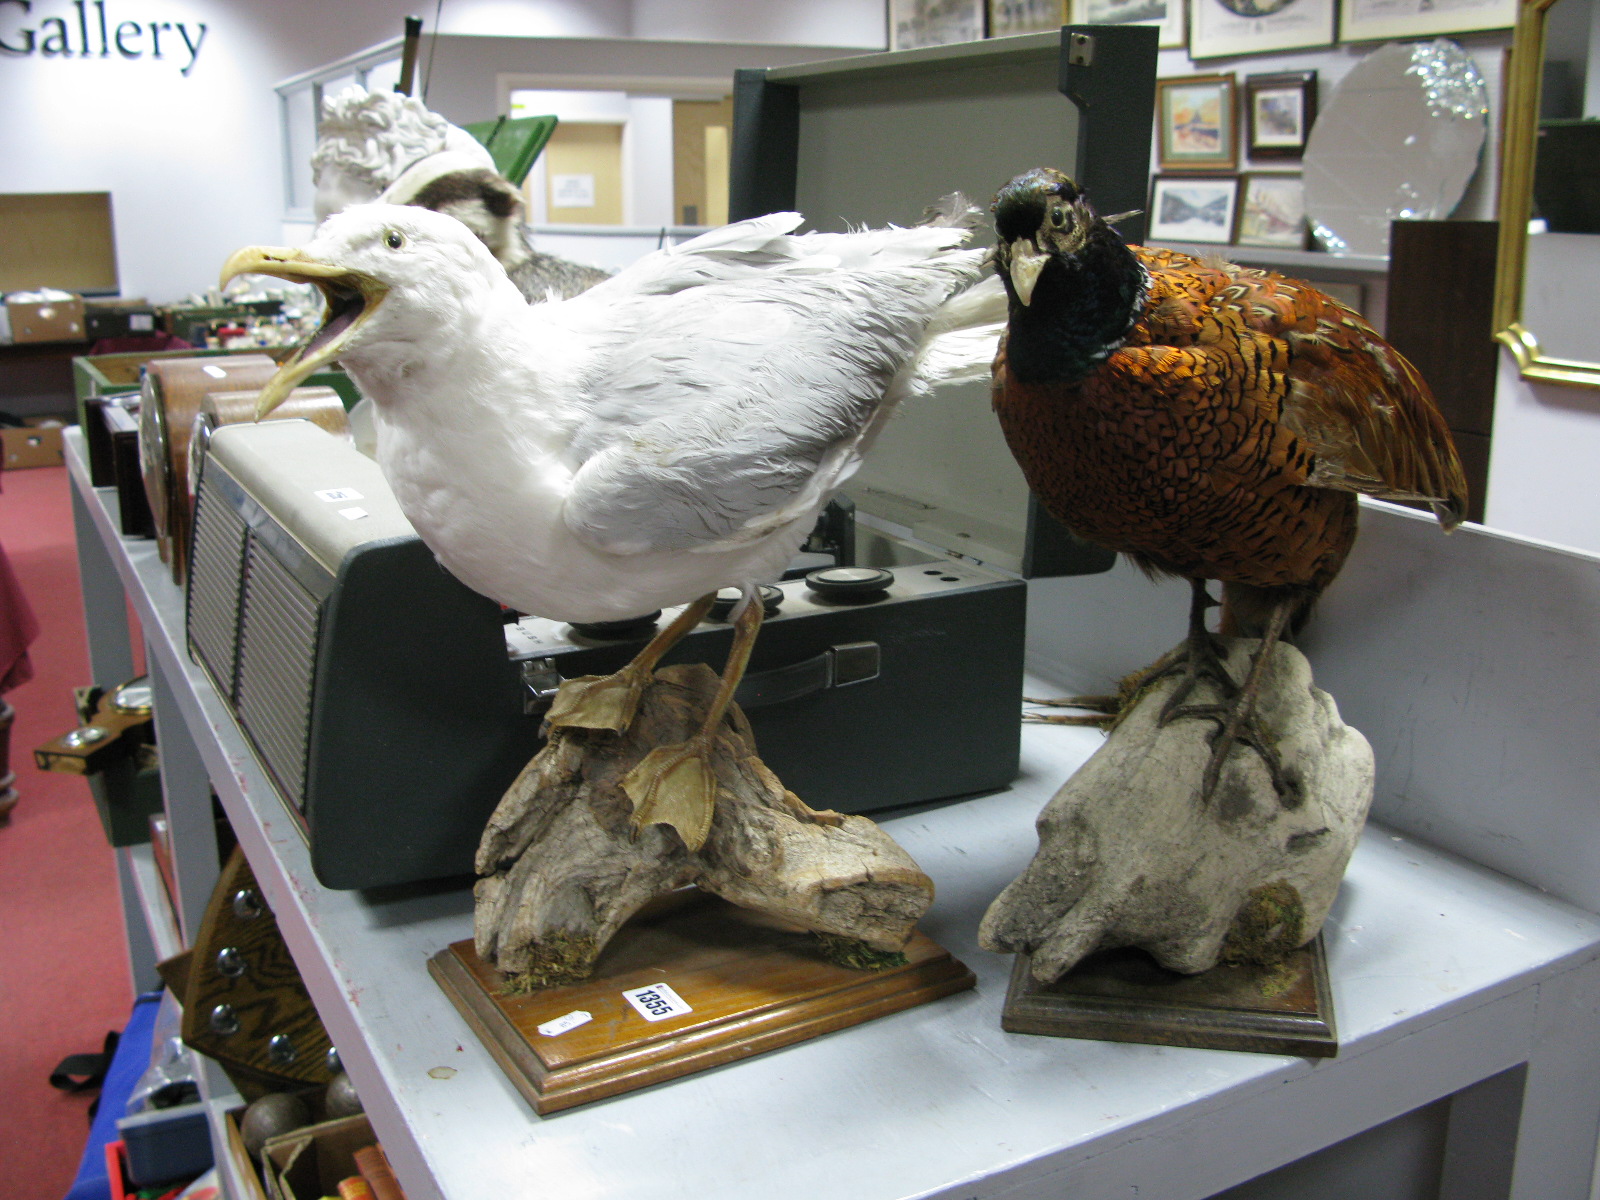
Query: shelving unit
(1449, 979)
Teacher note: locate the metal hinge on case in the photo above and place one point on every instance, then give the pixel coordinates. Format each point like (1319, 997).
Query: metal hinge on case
(540, 681)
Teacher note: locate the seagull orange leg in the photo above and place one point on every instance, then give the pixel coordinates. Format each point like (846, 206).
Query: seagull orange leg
(610, 701)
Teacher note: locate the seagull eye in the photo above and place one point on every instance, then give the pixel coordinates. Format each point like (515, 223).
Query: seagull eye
(394, 239)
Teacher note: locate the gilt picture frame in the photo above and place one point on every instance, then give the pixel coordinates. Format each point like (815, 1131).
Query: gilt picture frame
(1193, 208)
(1272, 211)
(1170, 16)
(1011, 17)
(1278, 113)
(1197, 123)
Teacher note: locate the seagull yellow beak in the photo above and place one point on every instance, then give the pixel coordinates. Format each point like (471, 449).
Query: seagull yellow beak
(1027, 260)
(351, 299)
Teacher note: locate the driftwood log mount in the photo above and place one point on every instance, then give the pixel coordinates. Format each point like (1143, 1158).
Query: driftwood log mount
(1130, 855)
(561, 869)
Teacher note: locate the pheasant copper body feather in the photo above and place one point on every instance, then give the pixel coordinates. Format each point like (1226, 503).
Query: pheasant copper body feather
(1208, 420)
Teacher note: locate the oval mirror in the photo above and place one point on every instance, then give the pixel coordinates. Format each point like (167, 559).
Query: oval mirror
(1398, 140)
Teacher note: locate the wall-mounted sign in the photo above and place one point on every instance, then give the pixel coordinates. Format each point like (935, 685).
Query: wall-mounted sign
(88, 31)
(572, 191)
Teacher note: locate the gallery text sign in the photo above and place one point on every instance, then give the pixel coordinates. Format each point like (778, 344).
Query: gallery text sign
(88, 31)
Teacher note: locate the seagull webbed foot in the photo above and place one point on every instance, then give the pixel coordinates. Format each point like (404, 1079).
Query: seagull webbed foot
(599, 701)
(675, 785)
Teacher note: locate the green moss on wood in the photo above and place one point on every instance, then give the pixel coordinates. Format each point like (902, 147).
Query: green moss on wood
(556, 960)
(1268, 927)
(856, 954)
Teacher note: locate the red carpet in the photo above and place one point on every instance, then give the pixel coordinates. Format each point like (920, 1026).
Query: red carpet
(63, 961)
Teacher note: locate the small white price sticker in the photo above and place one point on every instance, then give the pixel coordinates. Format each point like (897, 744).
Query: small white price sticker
(656, 1002)
(352, 514)
(334, 494)
(215, 372)
(563, 1024)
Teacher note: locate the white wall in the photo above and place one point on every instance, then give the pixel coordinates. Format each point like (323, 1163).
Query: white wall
(1542, 475)
(192, 162)
(803, 22)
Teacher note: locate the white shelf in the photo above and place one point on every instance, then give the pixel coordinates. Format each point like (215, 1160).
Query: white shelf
(1309, 262)
(1444, 974)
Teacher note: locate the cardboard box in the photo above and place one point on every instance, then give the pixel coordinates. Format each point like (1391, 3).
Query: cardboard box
(244, 1167)
(49, 321)
(309, 1163)
(30, 446)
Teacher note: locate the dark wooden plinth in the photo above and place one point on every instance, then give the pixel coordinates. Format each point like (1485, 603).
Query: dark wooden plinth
(753, 985)
(1123, 996)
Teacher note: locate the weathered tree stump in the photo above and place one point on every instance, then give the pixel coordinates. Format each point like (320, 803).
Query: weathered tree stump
(561, 869)
(1129, 854)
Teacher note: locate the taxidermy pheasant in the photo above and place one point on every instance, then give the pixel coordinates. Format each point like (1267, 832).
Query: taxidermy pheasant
(670, 432)
(1207, 420)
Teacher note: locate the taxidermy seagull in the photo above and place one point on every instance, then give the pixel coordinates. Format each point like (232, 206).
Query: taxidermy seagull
(670, 432)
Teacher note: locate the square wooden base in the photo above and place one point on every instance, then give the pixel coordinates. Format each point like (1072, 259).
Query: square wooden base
(752, 983)
(1123, 996)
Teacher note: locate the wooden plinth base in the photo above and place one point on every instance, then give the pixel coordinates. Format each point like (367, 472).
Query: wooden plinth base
(1123, 996)
(753, 985)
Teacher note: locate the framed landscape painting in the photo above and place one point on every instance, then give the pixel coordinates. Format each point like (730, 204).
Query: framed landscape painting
(1190, 208)
(1195, 123)
(1279, 110)
(1272, 212)
(1008, 17)
(1168, 15)
(917, 23)
(1380, 20)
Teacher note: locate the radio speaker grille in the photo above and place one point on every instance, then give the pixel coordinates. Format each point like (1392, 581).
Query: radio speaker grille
(216, 568)
(277, 660)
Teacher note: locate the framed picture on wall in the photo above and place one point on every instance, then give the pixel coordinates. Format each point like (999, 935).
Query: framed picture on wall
(1380, 20)
(917, 23)
(1193, 208)
(1272, 212)
(1007, 17)
(1278, 111)
(1196, 120)
(1218, 28)
(1167, 14)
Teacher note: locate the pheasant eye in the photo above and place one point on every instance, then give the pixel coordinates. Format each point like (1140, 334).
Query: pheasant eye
(394, 239)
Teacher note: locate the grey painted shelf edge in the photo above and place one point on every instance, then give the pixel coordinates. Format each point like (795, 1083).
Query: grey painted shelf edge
(1297, 260)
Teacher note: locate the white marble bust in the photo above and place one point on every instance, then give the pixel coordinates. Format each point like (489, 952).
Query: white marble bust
(367, 140)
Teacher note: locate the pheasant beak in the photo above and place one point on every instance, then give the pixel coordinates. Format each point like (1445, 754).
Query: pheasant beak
(351, 298)
(1027, 260)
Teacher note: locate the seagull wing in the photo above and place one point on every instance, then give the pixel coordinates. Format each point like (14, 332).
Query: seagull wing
(726, 411)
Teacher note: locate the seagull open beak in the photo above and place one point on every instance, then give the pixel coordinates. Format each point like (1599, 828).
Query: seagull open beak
(1027, 260)
(351, 298)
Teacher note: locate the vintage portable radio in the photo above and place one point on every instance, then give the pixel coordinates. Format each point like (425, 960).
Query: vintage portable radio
(392, 706)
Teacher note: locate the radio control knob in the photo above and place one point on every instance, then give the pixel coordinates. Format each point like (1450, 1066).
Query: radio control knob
(850, 583)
